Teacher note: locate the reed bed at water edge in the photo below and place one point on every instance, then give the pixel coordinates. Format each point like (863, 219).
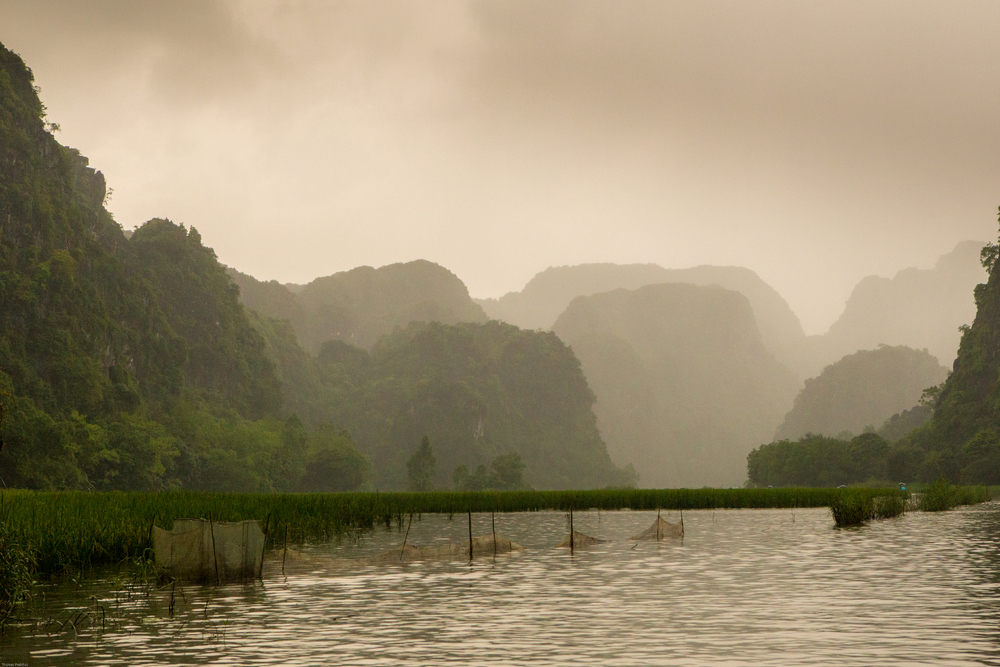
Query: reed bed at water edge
(941, 496)
(75, 530)
(853, 508)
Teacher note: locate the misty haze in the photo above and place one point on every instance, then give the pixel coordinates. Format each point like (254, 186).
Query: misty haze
(523, 332)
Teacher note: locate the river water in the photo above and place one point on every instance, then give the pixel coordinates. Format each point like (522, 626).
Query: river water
(744, 587)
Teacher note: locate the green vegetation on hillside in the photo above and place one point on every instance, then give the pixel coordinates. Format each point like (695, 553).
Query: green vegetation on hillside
(362, 305)
(125, 363)
(129, 363)
(960, 442)
(898, 426)
(861, 390)
(478, 391)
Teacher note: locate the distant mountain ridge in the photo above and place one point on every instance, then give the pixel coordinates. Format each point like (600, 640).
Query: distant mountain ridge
(546, 295)
(362, 305)
(685, 386)
(919, 308)
(959, 443)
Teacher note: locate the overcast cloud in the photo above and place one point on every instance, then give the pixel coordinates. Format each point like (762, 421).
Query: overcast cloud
(814, 142)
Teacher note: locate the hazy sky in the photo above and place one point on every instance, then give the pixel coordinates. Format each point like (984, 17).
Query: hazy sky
(813, 142)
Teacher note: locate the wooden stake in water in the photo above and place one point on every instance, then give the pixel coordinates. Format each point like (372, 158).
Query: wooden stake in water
(284, 552)
(215, 555)
(402, 549)
(267, 530)
(571, 531)
(659, 530)
(493, 520)
(470, 537)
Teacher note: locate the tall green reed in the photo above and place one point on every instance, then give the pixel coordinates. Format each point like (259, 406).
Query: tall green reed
(69, 531)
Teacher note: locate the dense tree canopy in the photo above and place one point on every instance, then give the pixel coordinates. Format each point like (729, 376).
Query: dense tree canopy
(127, 363)
(479, 391)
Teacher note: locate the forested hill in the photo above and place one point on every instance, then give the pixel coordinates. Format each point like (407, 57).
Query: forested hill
(961, 442)
(124, 363)
(130, 363)
(861, 391)
(361, 305)
(685, 387)
(478, 391)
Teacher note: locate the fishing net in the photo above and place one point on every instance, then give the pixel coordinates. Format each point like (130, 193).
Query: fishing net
(660, 530)
(579, 540)
(482, 545)
(199, 550)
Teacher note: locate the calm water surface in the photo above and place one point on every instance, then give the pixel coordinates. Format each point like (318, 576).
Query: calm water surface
(761, 587)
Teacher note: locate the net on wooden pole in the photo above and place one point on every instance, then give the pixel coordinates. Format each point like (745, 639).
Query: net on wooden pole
(199, 550)
(661, 530)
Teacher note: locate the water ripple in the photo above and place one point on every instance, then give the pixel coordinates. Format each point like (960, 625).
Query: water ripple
(761, 587)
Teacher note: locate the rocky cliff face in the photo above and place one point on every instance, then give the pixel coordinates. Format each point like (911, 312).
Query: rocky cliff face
(685, 386)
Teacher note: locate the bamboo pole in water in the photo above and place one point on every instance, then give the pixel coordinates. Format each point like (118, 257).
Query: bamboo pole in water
(267, 528)
(284, 552)
(245, 556)
(215, 555)
(493, 520)
(571, 536)
(402, 549)
(470, 536)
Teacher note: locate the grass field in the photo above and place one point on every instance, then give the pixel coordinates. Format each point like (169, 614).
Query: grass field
(70, 531)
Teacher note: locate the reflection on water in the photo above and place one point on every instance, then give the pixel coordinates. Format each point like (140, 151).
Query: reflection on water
(744, 587)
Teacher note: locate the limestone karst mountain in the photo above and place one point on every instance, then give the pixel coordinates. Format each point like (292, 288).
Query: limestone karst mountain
(685, 386)
(477, 391)
(962, 440)
(546, 295)
(918, 308)
(861, 390)
(361, 305)
(959, 443)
